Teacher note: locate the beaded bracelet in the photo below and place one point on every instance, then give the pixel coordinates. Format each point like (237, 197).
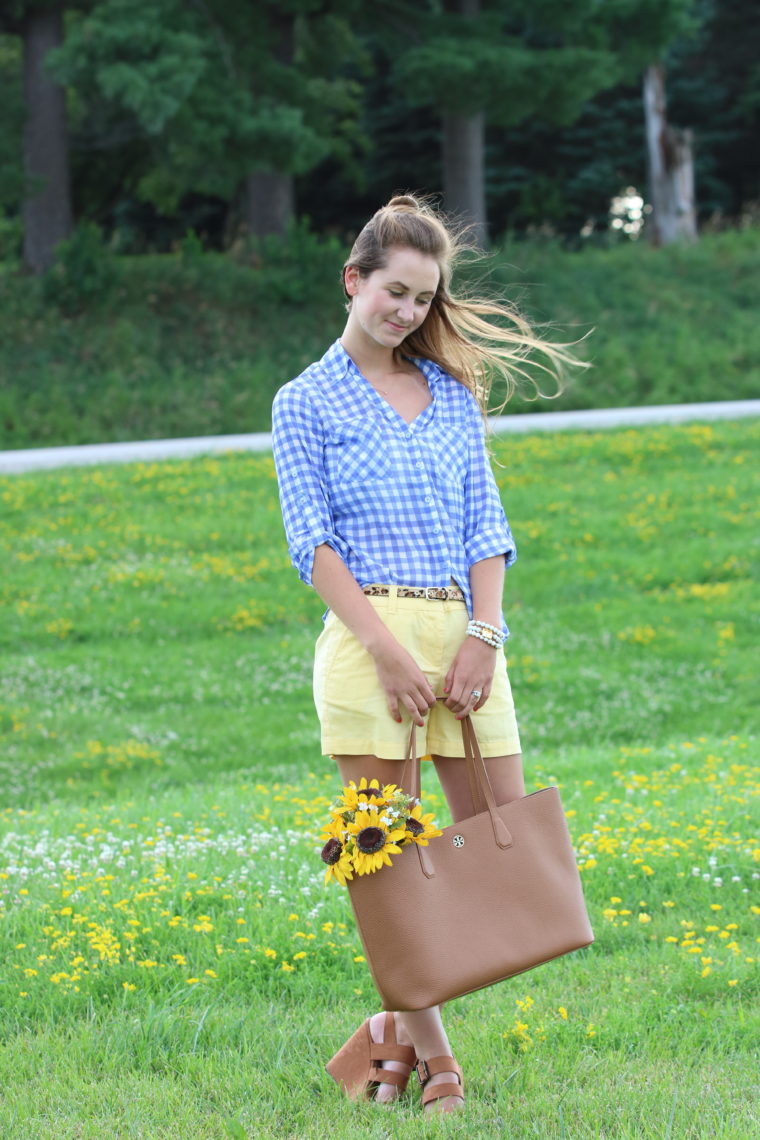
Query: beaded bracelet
(495, 630)
(474, 631)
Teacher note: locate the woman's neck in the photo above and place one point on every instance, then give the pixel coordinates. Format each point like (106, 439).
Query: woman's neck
(371, 358)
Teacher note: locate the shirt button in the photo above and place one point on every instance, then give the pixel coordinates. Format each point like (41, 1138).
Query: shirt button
(419, 464)
(429, 499)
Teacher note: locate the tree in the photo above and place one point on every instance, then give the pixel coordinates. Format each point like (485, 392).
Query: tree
(463, 152)
(233, 100)
(506, 62)
(714, 83)
(46, 207)
(671, 167)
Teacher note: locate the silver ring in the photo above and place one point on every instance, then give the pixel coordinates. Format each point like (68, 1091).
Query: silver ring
(477, 694)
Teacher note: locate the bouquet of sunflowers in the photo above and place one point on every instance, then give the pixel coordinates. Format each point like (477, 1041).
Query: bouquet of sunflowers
(369, 824)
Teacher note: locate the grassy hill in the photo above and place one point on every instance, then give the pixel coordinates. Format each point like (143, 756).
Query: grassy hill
(196, 343)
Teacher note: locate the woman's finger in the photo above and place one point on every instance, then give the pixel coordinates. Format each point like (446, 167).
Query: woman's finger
(392, 702)
(415, 712)
(471, 696)
(486, 692)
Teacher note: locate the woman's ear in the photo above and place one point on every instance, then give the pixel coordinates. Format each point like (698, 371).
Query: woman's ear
(351, 280)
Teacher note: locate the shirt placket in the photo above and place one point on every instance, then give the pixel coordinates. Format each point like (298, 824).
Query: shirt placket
(427, 489)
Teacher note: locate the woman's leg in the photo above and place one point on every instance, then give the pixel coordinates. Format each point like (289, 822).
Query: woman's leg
(425, 1027)
(387, 772)
(421, 1028)
(505, 774)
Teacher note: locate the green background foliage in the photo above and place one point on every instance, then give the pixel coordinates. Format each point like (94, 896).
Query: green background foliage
(197, 343)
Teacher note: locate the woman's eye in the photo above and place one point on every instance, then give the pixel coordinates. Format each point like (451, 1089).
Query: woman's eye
(395, 293)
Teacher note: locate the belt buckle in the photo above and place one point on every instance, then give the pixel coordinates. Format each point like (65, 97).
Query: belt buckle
(436, 593)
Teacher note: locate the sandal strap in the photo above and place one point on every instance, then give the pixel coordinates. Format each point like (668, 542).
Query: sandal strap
(382, 1051)
(388, 1077)
(437, 1092)
(433, 1065)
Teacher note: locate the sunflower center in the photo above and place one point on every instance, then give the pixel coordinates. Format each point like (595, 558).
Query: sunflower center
(414, 826)
(331, 851)
(370, 839)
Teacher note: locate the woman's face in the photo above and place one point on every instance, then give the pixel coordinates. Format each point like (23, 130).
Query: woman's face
(393, 301)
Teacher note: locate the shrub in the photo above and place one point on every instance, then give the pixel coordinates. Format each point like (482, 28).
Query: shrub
(83, 272)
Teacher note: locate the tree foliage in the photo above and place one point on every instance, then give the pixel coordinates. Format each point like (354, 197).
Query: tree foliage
(209, 92)
(173, 105)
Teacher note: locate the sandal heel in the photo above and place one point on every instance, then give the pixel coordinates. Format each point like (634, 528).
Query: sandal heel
(351, 1065)
(356, 1067)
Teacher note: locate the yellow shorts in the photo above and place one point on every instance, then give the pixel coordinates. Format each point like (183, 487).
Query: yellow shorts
(351, 704)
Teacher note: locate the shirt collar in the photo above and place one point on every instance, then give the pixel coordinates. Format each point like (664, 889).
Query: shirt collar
(338, 364)
(336, 361)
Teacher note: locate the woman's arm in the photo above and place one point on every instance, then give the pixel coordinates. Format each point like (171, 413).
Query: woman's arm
(473, 667)
(487, 585)
(403, 682)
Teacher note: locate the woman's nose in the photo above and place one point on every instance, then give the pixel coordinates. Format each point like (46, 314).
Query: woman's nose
(406, 309)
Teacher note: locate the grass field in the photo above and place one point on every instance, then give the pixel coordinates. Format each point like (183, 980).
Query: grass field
(171, 964)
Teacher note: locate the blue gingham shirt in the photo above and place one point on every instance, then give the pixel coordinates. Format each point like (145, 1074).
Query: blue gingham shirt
(411, 504)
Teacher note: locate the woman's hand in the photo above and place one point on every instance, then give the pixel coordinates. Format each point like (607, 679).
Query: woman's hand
(404, 683)
(471, 671)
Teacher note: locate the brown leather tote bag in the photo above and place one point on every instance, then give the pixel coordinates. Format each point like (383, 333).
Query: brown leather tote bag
(496, 894)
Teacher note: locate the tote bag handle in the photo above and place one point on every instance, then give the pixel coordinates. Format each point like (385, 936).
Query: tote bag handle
(480, 787)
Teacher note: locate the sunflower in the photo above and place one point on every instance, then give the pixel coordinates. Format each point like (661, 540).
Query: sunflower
(339, 863)
(334, 829)
(368, 792)
(419, 827)
(374, 841)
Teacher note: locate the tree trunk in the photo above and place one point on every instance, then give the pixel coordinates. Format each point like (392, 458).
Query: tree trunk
(464, 171)
(463, 146)
(47, 203)
(269, 195)
(269, 202)
(671, 167)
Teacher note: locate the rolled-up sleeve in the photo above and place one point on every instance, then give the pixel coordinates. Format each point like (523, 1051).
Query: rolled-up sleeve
(298, 445)
(487, 532)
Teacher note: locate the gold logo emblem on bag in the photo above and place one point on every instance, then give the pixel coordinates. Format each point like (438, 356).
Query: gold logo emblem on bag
(458, 841)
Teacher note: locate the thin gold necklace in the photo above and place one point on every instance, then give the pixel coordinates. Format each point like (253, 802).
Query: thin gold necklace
(416, 376)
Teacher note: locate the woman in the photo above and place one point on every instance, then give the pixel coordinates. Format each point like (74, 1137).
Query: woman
(392, 514)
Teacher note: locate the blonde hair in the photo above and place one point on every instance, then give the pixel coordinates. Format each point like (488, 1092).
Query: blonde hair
(459, 333)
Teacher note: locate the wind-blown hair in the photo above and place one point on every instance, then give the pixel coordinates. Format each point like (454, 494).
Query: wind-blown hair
(457, 333)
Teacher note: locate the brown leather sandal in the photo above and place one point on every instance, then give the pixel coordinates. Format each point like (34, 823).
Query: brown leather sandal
(427, 1069)
(356, 1065)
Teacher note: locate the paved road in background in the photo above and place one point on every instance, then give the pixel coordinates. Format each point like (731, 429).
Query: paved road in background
(37, 458)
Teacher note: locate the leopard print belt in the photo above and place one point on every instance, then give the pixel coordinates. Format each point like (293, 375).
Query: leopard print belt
(432, 593)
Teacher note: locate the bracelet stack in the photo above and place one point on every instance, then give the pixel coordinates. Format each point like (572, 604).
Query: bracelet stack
(484, 631)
